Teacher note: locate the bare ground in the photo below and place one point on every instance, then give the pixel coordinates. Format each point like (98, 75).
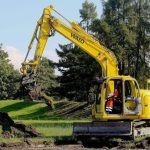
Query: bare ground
(71, 145)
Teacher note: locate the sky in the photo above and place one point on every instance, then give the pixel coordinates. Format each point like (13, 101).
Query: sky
(18, 21)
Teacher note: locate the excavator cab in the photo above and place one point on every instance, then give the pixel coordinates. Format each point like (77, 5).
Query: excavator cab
(122, 96)
(119, 99)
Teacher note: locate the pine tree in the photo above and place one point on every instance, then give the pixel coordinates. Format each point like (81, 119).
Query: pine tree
(88, 14)
(78, 68)
(78, 71)
(125, 28)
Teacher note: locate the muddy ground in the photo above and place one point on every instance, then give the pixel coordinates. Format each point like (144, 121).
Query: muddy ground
(41, 146)
(48, 147)
(74, 145)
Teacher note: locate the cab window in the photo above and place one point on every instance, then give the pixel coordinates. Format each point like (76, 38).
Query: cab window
(131, 96)
(131, 88)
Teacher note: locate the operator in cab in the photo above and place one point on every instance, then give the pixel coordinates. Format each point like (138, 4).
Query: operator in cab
(114, 100)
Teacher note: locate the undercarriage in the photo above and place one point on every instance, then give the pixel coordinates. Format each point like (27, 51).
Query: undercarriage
(132, 129)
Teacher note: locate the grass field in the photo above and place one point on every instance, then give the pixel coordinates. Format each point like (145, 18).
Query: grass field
(22, 110)
(45, 121)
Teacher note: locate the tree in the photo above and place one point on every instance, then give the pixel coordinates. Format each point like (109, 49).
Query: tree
(9, 77)
(78, 69)
(88, 14)
(46, 77)
(124, 28)
(141, 11)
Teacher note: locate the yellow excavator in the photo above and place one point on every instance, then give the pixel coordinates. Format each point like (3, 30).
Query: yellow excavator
(121, 108)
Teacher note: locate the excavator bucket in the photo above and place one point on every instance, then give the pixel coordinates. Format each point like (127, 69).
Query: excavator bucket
(118, 128)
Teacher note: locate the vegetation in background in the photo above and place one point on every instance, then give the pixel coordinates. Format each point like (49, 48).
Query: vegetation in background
(78, 71)
(46, 76)
(88, 14)
(9, 77)
(125, 29)
(77, 68)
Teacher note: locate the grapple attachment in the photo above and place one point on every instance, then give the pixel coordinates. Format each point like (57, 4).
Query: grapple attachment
(29, 83)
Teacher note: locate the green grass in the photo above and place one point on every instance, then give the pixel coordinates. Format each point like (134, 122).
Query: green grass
(50, 130)
(19, 109)
(22, 110)
(10, 140)
(41, 118)
(53, 128)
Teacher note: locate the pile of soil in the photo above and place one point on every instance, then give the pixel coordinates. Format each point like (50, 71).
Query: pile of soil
(15, 129)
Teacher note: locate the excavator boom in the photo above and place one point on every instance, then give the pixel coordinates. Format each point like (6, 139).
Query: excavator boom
(47, 24)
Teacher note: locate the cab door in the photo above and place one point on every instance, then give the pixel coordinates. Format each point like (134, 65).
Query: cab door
(132, 100)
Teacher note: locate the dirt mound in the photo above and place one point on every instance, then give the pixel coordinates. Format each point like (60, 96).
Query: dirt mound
(11, 129)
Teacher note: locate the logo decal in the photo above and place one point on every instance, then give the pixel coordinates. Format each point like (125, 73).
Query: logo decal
(77, 38)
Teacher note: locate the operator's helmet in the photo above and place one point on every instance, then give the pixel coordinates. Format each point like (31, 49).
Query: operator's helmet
(110, 95)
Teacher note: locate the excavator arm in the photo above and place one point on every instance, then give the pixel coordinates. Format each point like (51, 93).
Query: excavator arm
(46, 27)
(45, 31)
